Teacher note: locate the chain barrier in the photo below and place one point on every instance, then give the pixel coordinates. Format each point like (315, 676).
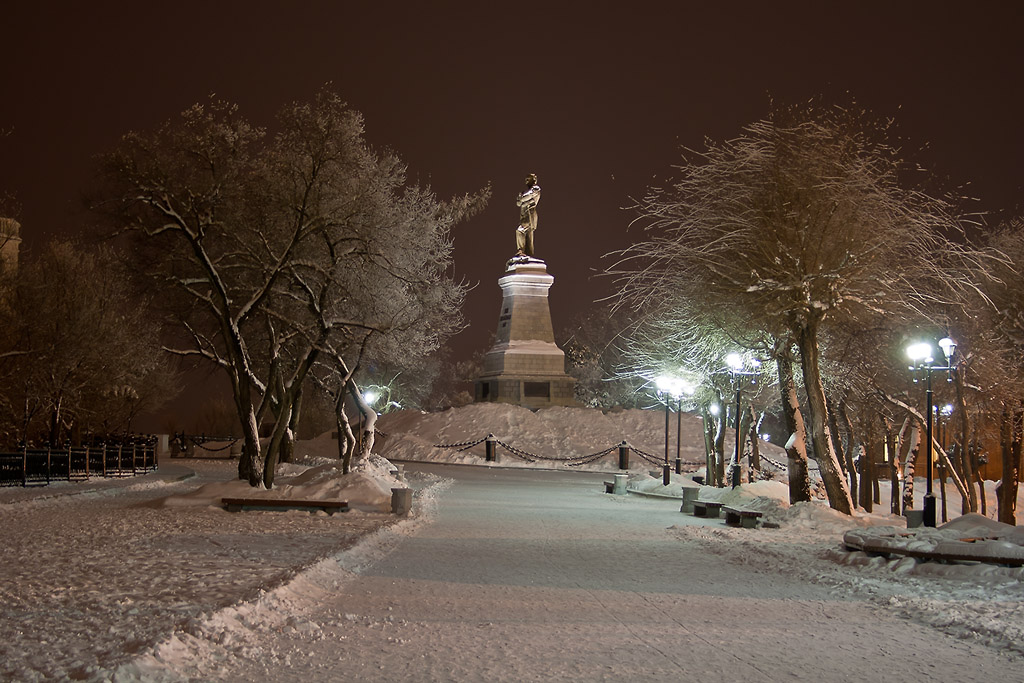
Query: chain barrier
(571, 461)
(653, 459)
(783, 468)
(658, 460)
(198, 442)
(464, 445)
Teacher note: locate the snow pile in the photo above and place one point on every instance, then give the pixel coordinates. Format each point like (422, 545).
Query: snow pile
(367, 487)
(966, 538)
(558, 432)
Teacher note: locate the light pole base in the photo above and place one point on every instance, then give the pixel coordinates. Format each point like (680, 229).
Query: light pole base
(929, 510)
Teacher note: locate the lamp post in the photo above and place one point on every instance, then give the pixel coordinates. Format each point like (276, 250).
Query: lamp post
(673, 387)
(944, 412)
(921, 355)
(739, 375)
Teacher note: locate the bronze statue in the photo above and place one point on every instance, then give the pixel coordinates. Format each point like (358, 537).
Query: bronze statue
(527, 202)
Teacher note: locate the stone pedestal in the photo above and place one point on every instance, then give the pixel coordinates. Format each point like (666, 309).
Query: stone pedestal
(524, 366)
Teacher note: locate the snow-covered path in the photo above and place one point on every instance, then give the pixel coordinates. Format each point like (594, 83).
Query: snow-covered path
(539, 576)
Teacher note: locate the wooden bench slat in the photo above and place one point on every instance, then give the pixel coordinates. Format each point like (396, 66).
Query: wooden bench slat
(741, 517)
(328, 506)
(706, 508)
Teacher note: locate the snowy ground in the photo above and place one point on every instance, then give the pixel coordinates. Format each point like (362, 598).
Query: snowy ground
(110, 578)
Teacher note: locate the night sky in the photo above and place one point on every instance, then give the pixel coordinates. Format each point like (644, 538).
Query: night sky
(596, 98)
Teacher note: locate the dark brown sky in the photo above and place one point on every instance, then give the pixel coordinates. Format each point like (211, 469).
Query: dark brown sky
(594, 97)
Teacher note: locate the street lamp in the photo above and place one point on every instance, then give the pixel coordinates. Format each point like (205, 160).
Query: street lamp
(920, 354)
(675, 388)
(739, 374)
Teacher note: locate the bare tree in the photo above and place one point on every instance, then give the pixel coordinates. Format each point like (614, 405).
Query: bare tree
(802, 219)
(275, 252)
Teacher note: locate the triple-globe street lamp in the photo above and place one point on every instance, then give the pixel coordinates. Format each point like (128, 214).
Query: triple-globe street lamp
(921, 354)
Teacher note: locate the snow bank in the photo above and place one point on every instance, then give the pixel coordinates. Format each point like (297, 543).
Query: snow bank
(558, 432)
(367, 487)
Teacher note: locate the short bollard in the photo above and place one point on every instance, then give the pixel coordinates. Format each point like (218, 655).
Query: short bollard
(401, 501)
(690, 494)
(666, 474)
(915, 518)
(489, 446)
(619, 487)
(623, 456)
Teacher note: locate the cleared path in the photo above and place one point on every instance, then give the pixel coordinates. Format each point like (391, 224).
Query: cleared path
(540, 576)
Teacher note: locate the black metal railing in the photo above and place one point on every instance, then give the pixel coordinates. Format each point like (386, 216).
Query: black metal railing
(41, 466)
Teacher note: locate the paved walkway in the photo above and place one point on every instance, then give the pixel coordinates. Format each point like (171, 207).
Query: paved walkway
(539, 576)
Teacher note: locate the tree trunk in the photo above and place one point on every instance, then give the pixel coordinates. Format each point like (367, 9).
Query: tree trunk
(894, 470)
(837, 441)
(970, 503)
(250, 465)
(867, 473)
(851, 447)
(369, 422)
(909, 466)
(755, 453)
(284, 412)
(291, 434)
(720, 448)
(821, 441)
(709, 447)
(745, 423)
(1013, 424)
(796, 445)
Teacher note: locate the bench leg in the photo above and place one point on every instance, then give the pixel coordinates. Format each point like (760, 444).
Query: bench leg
(749, 522)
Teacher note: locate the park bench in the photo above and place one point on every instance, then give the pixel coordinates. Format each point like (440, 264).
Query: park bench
(706, 508)
(740, 517)
(328, 506)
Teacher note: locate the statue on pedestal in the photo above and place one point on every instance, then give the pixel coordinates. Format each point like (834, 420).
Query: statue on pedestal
(527, 202)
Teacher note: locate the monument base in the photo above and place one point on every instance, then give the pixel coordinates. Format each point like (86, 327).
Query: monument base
(529, 392)
(525, 367)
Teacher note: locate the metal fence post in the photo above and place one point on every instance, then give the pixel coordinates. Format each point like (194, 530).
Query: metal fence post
(490, 446)
(623, 456)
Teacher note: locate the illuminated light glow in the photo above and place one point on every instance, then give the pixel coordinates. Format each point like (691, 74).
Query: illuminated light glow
(920, 352)
(713, 409)
(370, 396)
(674, 386)
(948, 347)
(734, 361)
(947, 410)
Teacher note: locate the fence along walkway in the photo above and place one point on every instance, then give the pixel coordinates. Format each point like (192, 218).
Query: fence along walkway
(40, 466)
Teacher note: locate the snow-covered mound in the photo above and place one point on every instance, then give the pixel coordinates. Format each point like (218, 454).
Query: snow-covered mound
(367, 487)
(551, 433)
(970, 537)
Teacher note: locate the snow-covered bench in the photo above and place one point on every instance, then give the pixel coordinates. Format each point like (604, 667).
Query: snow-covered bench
(740, 517)
(706, 508)
(328, 506)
